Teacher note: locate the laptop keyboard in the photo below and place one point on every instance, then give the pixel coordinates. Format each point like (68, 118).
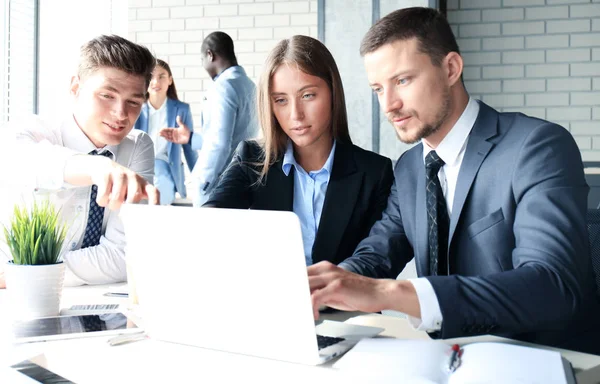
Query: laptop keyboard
(326, 341)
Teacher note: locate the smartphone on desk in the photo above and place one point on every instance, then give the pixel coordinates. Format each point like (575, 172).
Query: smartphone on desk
(70, 327)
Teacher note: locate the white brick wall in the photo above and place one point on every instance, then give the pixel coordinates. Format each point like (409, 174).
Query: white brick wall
(175, 29)
(540, 57)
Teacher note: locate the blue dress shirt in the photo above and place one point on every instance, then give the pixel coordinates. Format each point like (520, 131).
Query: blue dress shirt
(228, 117)
(309, 195)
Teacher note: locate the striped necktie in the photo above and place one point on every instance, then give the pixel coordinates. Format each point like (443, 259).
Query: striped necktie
(93, 228)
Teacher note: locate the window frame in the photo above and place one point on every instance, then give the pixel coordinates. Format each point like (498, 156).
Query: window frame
(5, 64)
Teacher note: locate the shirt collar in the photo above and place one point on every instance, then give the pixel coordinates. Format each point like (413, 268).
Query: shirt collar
(74, 138)
(289, 159)
(451, 146)
(232, 69)
(153, 110)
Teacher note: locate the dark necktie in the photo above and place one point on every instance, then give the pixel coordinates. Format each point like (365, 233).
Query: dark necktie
(438, 222)
(93, 228)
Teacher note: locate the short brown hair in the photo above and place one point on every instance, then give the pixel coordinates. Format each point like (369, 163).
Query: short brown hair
(427, 25)
(116, 52)
(313, 58)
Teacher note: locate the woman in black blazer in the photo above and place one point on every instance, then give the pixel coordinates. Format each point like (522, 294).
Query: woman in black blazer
(307, 155)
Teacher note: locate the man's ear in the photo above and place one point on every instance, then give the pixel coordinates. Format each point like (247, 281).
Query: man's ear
(75, 83)
(454, 67)
(210, 55)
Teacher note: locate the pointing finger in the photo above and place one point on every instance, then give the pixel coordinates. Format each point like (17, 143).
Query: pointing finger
(152, 193)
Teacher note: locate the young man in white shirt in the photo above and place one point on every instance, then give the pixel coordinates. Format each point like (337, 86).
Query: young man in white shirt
(92, 161)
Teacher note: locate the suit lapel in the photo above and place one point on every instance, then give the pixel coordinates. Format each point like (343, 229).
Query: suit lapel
(478, 147)
(279, 189)
(143, 125)
(172, 111)
(342, 191)
(422, 243)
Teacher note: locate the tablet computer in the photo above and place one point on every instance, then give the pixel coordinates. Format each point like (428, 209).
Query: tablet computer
(39, 374)
(70, 327)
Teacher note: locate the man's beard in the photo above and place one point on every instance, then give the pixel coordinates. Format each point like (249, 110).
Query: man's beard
(427, 129)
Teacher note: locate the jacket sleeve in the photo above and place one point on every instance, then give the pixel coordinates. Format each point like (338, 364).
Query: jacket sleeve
(387, 237)
(382, 194)
(235, 186)
(218, 135)
(191, 156)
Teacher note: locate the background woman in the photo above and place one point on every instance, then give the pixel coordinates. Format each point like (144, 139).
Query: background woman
(306, 162)
(163, 109)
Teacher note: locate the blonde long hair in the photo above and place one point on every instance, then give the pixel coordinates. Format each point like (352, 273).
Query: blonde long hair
(313, 58)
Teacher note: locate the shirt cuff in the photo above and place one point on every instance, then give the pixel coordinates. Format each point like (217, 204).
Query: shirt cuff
(346, 267)
(431, 314)
(196, 140)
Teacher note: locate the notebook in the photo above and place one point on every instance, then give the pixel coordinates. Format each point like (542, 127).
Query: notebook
(428, 361)
(230, 280)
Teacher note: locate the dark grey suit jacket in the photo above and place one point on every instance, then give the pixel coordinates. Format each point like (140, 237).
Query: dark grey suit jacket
(518, 255)
(356, 195)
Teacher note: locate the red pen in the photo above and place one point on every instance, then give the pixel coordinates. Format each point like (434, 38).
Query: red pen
(454, 358)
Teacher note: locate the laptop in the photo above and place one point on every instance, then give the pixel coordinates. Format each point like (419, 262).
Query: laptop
(230, 280)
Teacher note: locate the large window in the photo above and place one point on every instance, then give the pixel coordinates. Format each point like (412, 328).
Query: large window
(18, 58)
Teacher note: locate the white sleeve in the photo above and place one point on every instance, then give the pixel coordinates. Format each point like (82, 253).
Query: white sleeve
(105, 263)
(431, 314)
(35, 153)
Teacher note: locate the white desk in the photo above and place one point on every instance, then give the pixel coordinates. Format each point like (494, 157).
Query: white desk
(92, 360)
(400, 328)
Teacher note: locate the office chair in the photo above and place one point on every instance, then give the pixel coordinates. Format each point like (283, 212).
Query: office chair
(593, 225)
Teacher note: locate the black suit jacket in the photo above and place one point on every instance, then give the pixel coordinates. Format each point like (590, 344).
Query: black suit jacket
(518, 250)
(356, 196)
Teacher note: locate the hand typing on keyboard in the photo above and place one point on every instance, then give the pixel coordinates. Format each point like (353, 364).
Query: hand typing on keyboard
(340, 289)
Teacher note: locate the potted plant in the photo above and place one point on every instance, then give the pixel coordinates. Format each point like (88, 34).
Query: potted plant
(34, 277)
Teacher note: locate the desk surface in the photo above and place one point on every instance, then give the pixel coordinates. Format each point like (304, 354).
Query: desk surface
(92, 360)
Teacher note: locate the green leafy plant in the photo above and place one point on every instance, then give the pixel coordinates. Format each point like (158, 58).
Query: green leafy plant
(35, 236)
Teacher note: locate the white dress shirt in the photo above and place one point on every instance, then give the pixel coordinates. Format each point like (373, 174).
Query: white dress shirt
(33, 156)
(451, 150)
(157, 119)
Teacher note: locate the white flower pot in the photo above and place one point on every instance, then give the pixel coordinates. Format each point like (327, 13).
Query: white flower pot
(34, 290)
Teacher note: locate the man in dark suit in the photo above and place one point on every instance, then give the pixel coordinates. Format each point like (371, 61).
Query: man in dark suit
(491, 205)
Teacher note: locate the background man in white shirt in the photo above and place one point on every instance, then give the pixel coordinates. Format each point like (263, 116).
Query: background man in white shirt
(492, 206)
(91, 161)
